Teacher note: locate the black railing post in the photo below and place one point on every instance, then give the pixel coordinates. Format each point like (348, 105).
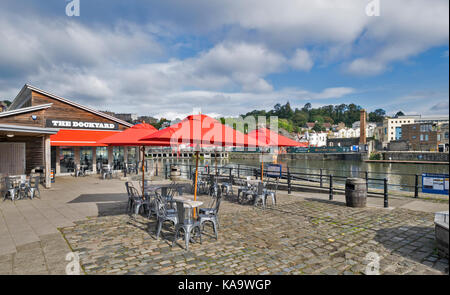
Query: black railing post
(386, 202)
(255, 173)
(156, 168)
(321, 183)
(239, 168)
(165, 171)
(367, 181)
(190, 171)
(331, 187)
(416, 187)
(289, 181)
(146, 164)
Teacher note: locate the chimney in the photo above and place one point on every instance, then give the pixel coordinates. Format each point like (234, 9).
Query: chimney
(362, 127)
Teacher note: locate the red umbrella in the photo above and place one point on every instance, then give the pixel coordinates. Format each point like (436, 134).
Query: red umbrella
(130, 137)
(199, 130)
(265, 137)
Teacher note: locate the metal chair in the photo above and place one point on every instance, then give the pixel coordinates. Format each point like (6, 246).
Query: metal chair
(163, 215)
(259, 195)
(244, 189)
(9, 189)
(137, 201)
(186, 224)
(78, 171)
(211, 215)
(271, 190)
(33, 186)
(23, 187)
(107, 171)
(227, 186)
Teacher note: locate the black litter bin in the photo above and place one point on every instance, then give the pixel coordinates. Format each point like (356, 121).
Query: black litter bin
(355, 192)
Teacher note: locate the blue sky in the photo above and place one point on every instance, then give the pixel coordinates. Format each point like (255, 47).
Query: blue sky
(227, 57)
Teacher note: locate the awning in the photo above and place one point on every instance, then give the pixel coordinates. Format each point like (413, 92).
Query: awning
(74, 137)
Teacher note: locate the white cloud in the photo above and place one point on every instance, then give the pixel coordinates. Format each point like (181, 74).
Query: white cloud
(301, 60)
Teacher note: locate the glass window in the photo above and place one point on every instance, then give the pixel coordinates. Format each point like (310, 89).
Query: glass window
(66, 159)
(421, 137)
(118, 157)
(426, 137)
(132, 156)
(446, 135)
(86, 157)
(414, 137)
(101, 156)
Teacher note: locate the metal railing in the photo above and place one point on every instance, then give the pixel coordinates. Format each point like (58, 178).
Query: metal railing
(293, 178)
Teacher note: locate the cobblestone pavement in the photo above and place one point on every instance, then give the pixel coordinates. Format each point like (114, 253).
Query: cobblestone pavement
(299, 237)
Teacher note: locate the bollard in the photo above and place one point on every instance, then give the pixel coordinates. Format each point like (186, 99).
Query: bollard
(321, 183)
(386, 202)
(289, 181)
(416, 187)
(331, 187)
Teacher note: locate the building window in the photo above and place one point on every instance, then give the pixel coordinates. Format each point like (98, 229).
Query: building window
(66, 159)
(421, 137)
(118, 157)
(132, 155)
(426, 137)
(102, 156)
(414, 137)
(446, 135)
(86, 157)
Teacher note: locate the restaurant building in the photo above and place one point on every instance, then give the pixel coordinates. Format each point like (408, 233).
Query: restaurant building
(41, 129)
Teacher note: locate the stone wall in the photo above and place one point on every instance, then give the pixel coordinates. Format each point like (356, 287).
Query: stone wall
(416, 156)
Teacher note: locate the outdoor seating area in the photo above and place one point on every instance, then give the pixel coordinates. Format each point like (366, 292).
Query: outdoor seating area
(17, 187)
(172, 203)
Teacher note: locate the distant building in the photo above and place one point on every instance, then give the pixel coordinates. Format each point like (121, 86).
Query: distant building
(426, 119)
(392, 128)
(317, 139)
(442, 137)
(310, 125)
(370, 127)
(127, 117)
(421, 136)
(327, 126)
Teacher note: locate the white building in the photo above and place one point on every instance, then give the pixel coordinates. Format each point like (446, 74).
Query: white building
(317, 139)
(392, 127)
(370, 128)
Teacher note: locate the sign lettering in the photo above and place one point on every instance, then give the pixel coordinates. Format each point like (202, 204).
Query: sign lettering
(80, 125)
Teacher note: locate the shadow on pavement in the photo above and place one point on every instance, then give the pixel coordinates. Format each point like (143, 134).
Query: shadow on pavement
(413, 242)
(93, 198)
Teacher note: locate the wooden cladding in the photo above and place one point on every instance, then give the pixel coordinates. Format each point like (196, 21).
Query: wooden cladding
(63, 111)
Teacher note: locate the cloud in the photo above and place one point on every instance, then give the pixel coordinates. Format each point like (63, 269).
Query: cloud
(441, 107)
(301, 60)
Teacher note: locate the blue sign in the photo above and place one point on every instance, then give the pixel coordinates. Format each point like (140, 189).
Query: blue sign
(274, 170)
(435, 183)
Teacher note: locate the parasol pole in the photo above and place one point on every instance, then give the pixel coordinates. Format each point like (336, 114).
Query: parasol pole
(143, 170)
(196, 176)
(262, 166)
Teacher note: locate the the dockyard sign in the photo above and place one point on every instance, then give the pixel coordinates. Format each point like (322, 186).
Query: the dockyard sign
(64, 124)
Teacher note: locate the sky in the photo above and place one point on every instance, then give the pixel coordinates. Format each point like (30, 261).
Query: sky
(228, 57)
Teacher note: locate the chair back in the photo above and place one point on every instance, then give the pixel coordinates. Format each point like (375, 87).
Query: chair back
(128, 185)
(34, 182)
(8, 183)
(134, 193)
(160, 207)
(260, 188)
